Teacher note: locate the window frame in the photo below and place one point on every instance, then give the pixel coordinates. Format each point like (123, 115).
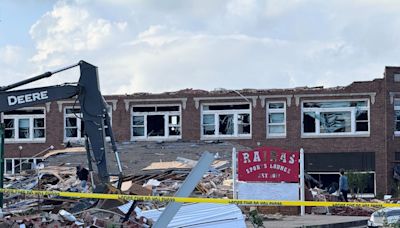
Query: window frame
(353, 123)
(80, 138)
(35, 161)
(31, 117)
(268, 111)
(167, 125)
(363, 195)
(396, 108)
(217, 113)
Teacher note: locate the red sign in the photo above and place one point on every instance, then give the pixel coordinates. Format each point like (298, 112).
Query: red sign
(268, 164)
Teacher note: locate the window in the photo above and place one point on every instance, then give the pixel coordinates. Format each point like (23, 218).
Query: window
(276, 119)
(74, 126)
(25, 125)
(232, 120)
(397, 117)
(329, 179)
(16, 165)
(156, 122)
(397, 156)
(335, 118)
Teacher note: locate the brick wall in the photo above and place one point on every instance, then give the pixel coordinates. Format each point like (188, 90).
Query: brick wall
(381, 141)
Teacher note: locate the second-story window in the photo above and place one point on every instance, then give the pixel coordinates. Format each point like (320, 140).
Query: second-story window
(335, 118)
(397, 116)
(25, 125)
(74, 126)
(276, 119)
(156, 122)
(226, 120)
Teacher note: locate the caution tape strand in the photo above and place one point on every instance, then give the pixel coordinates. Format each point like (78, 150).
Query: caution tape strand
(196, 200)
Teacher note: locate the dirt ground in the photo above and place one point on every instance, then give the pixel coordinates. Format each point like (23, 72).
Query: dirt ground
(135, 156)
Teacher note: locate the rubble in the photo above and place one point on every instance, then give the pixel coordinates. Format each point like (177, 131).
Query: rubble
(162, 180)
(157, 179)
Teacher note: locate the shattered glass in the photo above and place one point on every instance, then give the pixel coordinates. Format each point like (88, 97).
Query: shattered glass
(38, 133)
(243, 123)
(226, 126)
(71, 132)
(335, 122)
(9, 128)
(335, 104)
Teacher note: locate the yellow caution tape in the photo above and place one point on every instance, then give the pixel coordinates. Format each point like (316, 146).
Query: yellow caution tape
(196, 200)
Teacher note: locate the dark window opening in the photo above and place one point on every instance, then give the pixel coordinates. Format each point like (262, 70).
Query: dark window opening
(144, 109)
(327, 180)
(174, 131)
(226, 124)
(155, 125)
(167, 108)
(226, 107)
(309, 122)
(244, 123)
(25, 112)
(397, 156)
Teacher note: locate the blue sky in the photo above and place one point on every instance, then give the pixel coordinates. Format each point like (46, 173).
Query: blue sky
(157, 46)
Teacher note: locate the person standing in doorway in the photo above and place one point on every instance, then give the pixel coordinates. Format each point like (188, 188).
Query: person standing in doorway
(343, 185)
(83, 176)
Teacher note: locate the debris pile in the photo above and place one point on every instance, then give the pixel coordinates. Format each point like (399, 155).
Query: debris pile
(322, 195)
(159, 179)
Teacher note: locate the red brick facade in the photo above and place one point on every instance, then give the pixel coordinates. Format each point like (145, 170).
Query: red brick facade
(381, 140)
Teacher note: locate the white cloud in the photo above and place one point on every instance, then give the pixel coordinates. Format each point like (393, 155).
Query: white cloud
(71, 28)
(10, 54)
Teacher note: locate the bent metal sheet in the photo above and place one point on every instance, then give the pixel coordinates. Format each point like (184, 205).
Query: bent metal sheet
(268, 164)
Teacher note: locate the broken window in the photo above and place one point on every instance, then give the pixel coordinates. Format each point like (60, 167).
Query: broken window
(226, 124)
(74, 126)
(336, 117)
(156, 121)
(155, 125)
(226, 120)
(335, 122)
(8, 166)
(25, 124)
(361, 120)
(174, 125)
(15, 165)
(309, 122)
(276, 119)
(9, 128)
(243, 124)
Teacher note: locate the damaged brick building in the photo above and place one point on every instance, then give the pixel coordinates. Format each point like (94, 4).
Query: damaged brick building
(356, 127)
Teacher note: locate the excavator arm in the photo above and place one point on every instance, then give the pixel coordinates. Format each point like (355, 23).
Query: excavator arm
(91, 101)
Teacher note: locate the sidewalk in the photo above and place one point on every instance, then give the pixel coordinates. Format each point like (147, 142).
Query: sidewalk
(314, 221)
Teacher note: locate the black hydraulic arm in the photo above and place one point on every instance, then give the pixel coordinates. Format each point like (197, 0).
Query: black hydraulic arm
(94, 112)
(11, 100)
(93, 108)
(36, 78)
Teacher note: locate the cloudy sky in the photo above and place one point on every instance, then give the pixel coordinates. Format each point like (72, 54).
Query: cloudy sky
(157, 45)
